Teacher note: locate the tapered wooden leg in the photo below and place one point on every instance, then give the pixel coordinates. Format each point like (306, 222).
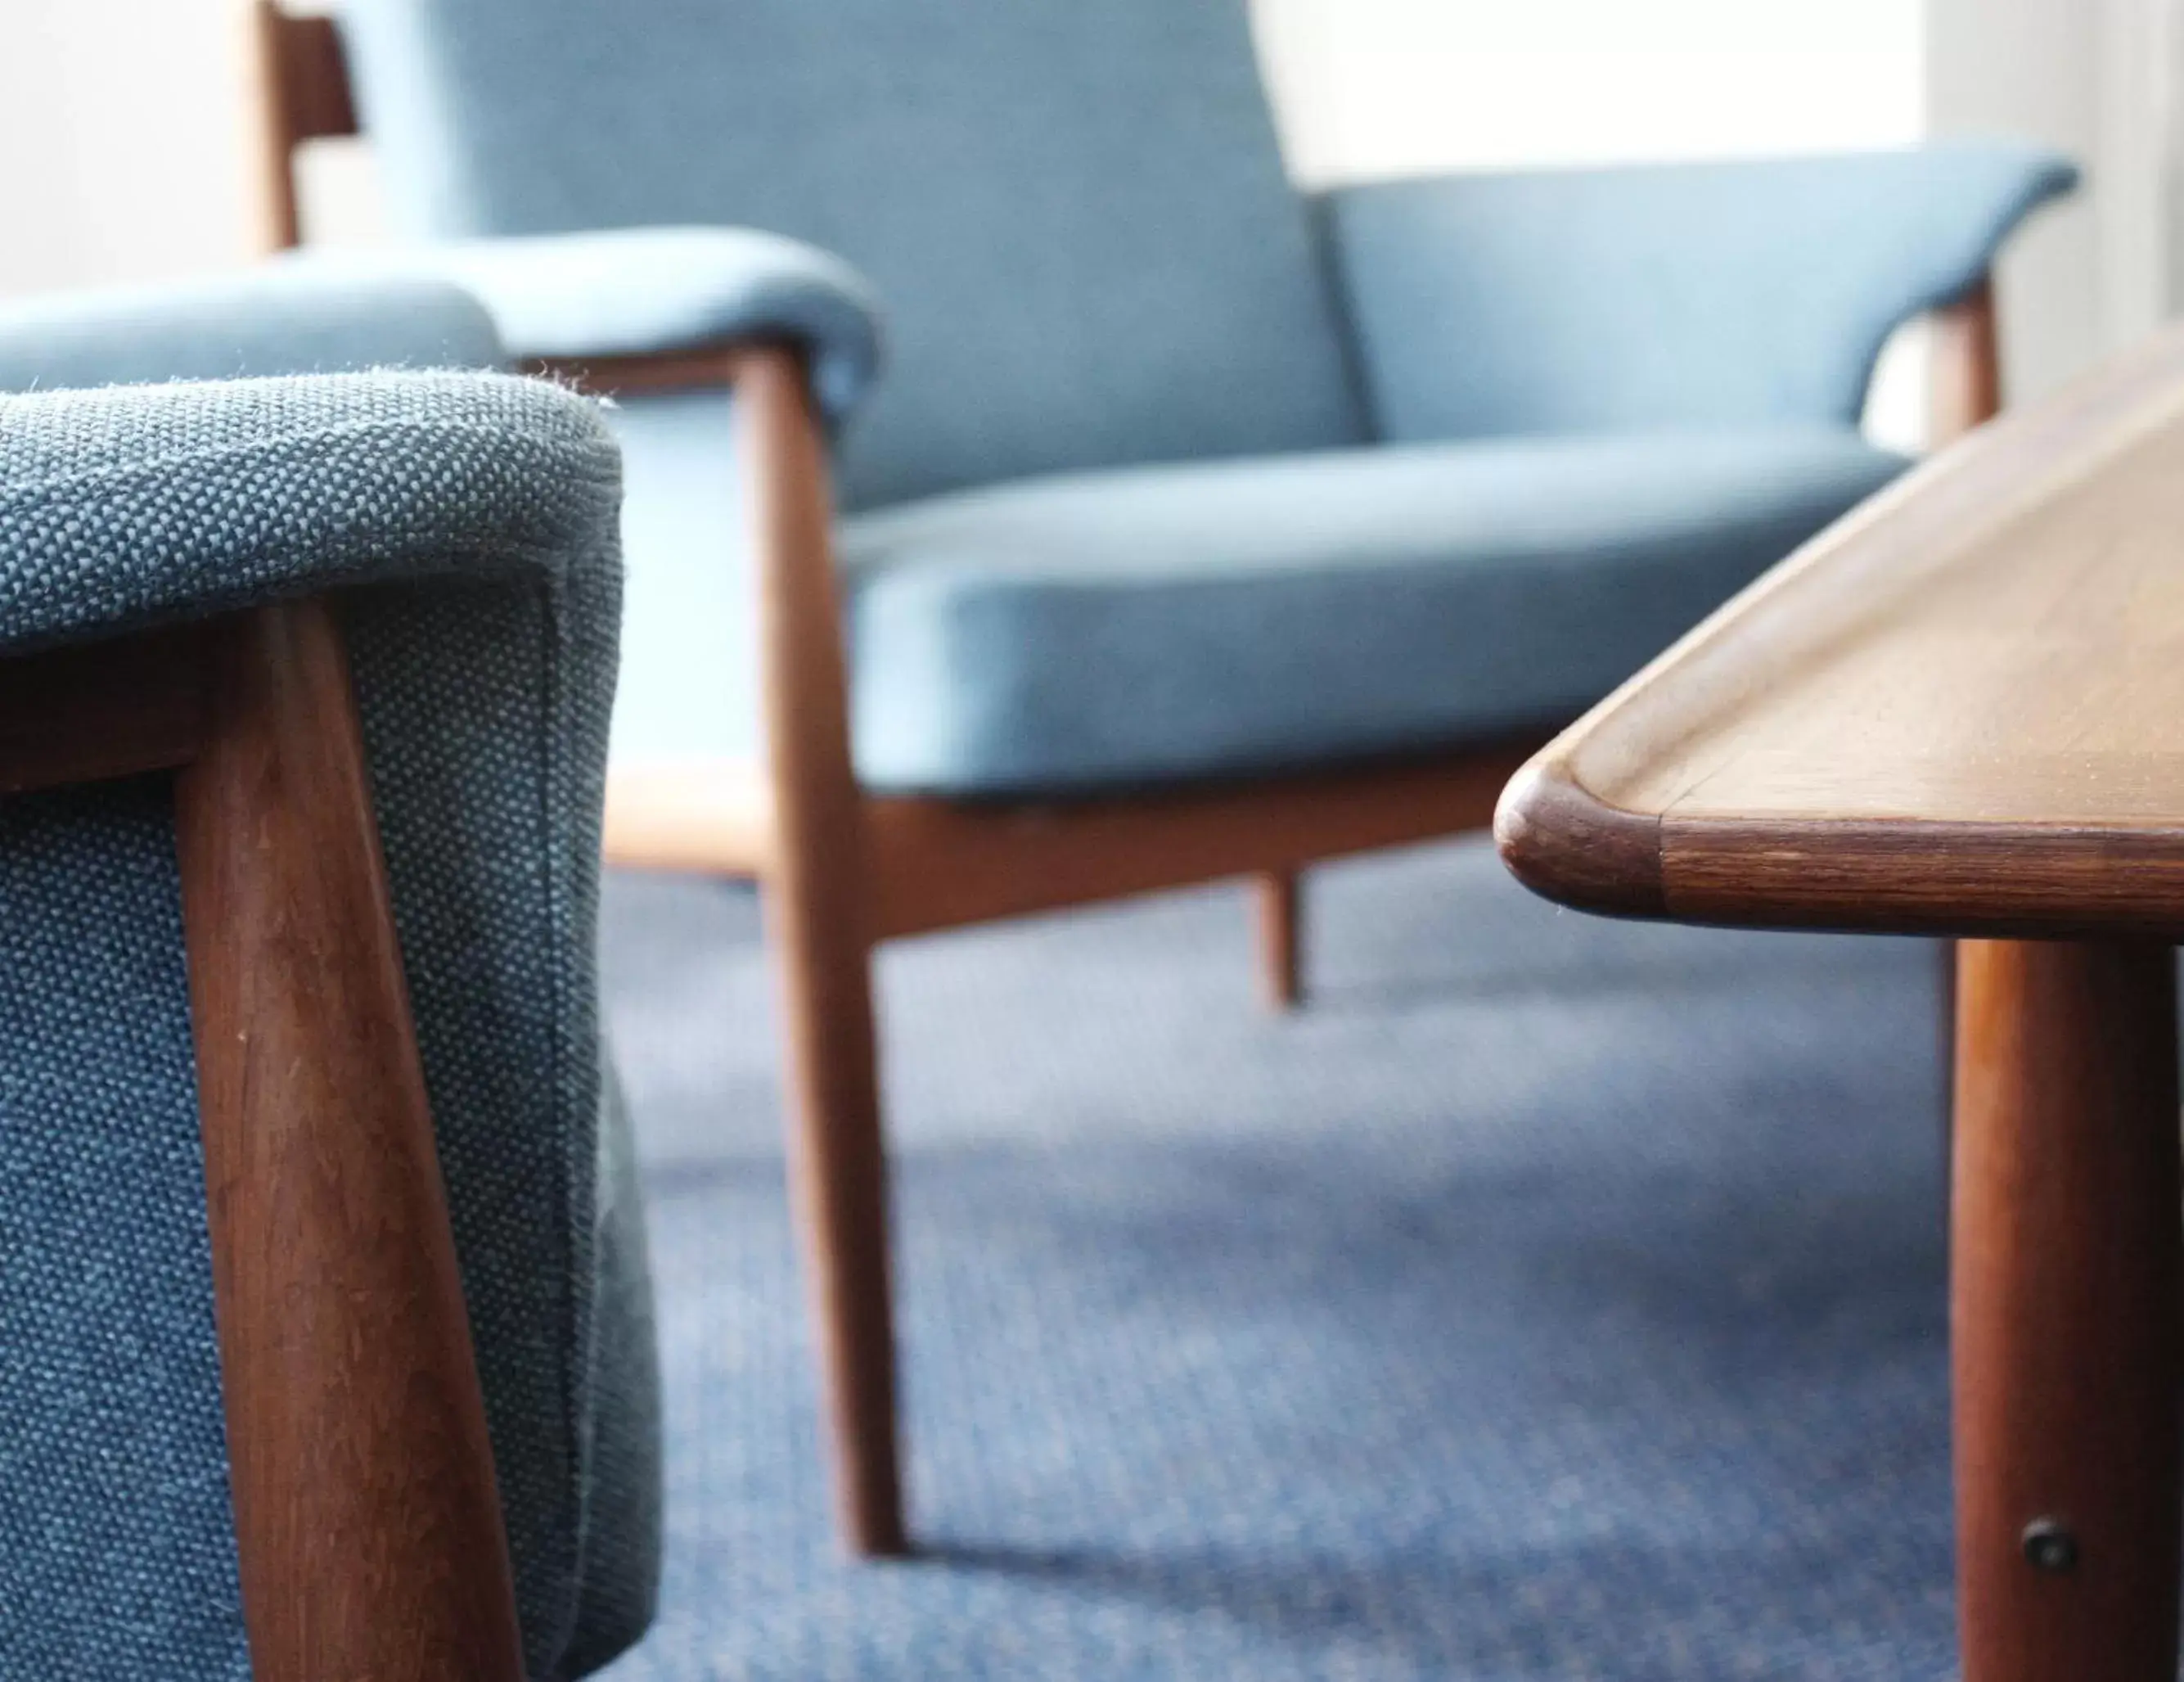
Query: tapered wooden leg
(2064, 1312)
(1945, 1041)
(838, 1165)
(367, 1523)
(1281, 951)
(817, 888)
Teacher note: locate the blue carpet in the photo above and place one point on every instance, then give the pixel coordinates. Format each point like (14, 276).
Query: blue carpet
(1554, 1299)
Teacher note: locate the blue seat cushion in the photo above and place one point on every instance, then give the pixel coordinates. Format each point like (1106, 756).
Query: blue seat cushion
(1104, 631)
(1101, 631)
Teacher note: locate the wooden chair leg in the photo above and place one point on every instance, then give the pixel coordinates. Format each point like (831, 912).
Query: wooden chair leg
(817, 890)
(838, 1166)
(1281, 951)
(367, 1522)
(2064, 1312)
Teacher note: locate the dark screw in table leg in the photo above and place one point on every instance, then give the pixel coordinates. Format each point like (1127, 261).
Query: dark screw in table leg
(2065, 1312)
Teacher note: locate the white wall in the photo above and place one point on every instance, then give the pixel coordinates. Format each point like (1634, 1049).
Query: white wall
(1371, 88)
(2094, 78)
(117, 116)
(1367, 88)
(118, 144)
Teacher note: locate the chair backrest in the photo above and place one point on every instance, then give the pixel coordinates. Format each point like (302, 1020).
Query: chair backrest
(1076, 213)
(298, 83)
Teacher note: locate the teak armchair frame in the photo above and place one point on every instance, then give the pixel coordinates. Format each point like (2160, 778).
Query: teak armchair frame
(368, 1526)
(843, 869)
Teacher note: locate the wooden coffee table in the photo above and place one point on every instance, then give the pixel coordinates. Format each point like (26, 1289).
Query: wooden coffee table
(1961, 712)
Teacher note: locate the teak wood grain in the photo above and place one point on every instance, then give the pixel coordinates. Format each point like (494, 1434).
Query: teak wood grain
(1280, 896)
(946, 864)
(1965, 368)
(818, 908)
(81, 715)
(2066, 1310)
(368, 1528)
(296, 86)
(1959, 711)
(652, 372)
(939, 863)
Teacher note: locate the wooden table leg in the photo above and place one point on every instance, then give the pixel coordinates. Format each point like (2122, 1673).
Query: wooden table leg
(2064, 1312)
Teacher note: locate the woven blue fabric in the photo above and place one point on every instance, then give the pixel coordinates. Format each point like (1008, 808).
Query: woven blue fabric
(1557, 1299)
(271, 321)
(631, 291)
(1106, 630)
(1693, 293)
(1076, 215)
(469, 521)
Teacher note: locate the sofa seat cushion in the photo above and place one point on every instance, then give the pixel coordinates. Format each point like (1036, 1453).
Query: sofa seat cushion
(1127, 628)
(1105, 631)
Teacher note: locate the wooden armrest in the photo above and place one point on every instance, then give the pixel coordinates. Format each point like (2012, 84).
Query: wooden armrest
(689, 817)
(657, 371)
(110, 709)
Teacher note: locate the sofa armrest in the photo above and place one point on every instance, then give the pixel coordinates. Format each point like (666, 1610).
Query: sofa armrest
(265, 322)
(1716, 293)
(645, 292)
(143, 505)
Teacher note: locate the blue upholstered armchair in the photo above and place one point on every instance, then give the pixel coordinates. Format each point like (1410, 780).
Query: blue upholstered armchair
(275, 966)
(1187, 527)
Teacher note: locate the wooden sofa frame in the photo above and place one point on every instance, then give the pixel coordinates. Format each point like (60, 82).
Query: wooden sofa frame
(369, 1530)
(843, 869)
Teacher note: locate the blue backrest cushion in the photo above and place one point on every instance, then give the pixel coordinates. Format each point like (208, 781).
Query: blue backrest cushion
(1709, 293)
(1076, 215)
